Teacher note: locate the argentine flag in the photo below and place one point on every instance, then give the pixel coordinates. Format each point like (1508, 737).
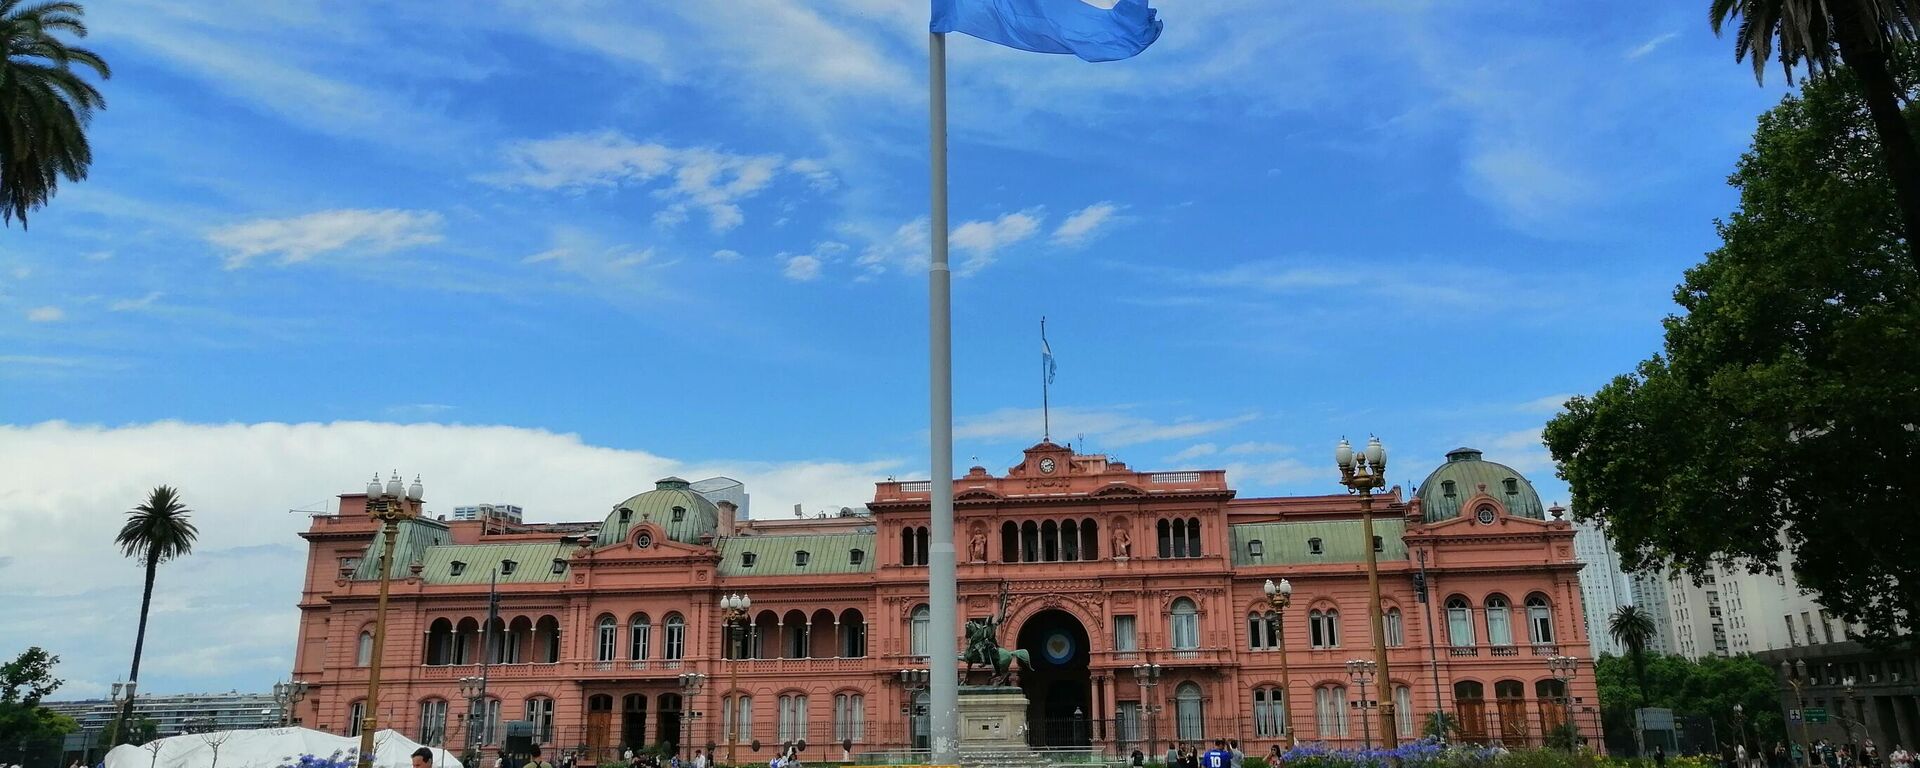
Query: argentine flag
(1085, 28)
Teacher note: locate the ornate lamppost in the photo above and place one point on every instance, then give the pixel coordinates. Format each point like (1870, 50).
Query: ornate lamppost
(912, 682)
(1279, 596)
(1362, 671)
(1846, 720)
(1361, 472)
(287, 694)
(691, 682)
(389, 505)
(122, 695)
(1148, 675)
(474, 689)
(1795, 675)
(1740, 723)
(733, 611)
(1563, 669)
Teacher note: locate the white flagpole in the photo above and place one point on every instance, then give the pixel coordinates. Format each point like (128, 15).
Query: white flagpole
(942, 591)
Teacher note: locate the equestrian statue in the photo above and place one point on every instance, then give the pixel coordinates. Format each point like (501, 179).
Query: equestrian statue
(983, 646)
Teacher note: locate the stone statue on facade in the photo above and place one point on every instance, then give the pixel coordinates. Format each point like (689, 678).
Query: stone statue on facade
(1122, 543)
(977, 547)
(983, 646)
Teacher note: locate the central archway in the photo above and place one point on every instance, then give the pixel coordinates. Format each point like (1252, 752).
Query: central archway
(1058, 685)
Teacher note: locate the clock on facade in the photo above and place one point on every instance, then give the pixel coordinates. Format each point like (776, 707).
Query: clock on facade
(1046, 465)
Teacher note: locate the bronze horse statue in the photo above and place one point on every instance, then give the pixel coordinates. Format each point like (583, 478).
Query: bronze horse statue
(983, 647)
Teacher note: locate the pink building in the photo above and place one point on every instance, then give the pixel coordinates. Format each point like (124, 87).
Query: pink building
(605, 628)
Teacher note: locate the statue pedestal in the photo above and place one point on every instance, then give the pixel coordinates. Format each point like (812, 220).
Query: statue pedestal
(992, 717)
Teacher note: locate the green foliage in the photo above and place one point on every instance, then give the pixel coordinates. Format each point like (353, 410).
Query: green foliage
(157, 529)
(26, 728)
(1710, 687)
(45, 104)
(1778, 422)
(1440, 725)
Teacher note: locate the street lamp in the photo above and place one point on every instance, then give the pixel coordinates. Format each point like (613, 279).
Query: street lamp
(733, 610)
(388, 504)
(691, 682)
(1847, 719)
(1279, 596)
(912, 682)
(1148, 676)
(1564, 668)
(1740, 723)
(123, 704)
(1362, 671)
(1361, 472)
(287, 694)
(1796, 674)
(474, 689)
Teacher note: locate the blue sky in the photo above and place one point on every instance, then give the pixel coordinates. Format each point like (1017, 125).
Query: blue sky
(691, 236)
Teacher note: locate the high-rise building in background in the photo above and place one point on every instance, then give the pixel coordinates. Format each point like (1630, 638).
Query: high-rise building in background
(511, 513)
(718, 489)
(1603, 586)
(1648, 591)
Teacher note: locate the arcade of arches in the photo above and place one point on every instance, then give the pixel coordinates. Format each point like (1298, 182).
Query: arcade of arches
(621, 642)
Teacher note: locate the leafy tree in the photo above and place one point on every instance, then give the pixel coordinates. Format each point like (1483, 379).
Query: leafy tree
(1780, 420)
(1709, 687)
(155, 532)
(1821, 33)
(1634, 628)
(1440, 725)
(26, 728)
(45, 104)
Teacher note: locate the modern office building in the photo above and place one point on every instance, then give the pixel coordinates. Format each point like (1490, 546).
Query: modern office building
(172, 715)
(727, 489)
(614, 637)
(1603, 586)
(511, 513)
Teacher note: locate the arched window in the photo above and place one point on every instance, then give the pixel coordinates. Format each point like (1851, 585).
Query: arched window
(540, 713)
(1089, 539)
(363, 653)
(1193, 537)
(1552, 695)
(546, 635)
(1459, 622)
(1269, 713)
(356, 715)
(1009, 542)
(1396, 628)
(1029, 542)
(1189, 712)
(433, 721)
(853, 634)
(609, 638)
(1186, 625)
(737, 719)
(1049, 541)
(1323, 628)
(793, 717)
(490, 721)
(1165, 530)
(640, 637)
(440, 640)
(1499, 620)
(906, 546)
(1510, 700)
(1330, 711)
(920, 545)
(676, 637)
(849, 717)
(1070, 541)
(1403, 709)
(1470, 708)
(1263, 631)
(917, 630)
(1539, 618)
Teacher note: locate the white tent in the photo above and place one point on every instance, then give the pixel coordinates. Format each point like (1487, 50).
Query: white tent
(267, 748)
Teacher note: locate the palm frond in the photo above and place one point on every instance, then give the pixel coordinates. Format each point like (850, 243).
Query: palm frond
(158, 529)
(45, 103)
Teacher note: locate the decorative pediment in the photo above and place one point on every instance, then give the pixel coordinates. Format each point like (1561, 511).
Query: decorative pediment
(1114, 490)
(979, 494)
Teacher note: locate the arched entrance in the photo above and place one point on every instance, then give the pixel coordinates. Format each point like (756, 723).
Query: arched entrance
(1058, 687)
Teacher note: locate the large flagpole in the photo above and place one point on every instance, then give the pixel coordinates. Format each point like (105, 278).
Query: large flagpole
(942, 593)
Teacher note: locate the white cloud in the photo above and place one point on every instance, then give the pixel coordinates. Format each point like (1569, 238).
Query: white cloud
(697, 177)
(1116, 427)
(1256, 447)
(1649, 46)
(726, 254)
(133, 305)
(906, 249)
(984, 238)
(1279, 472)
(815, 172)
(302, 238)
(802, 267)
(1549, 404)
(1195, 451)
(1083, 224)
(67, 485)
(48, 314)
(577, 252)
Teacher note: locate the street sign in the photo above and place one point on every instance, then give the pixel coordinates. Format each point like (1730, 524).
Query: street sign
(1815, 715)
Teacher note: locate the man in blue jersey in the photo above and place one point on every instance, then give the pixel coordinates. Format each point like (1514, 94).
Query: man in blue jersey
(1218, 757)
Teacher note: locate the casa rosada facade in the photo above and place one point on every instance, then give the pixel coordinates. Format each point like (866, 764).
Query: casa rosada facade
(610, 634)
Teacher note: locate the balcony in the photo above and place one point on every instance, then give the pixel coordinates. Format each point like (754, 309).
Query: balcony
(1464, 651)
(494, 671)
(1504, 650)
(753, 666)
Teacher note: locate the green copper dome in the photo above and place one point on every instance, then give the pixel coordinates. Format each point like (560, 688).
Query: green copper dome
(672, 505)
(1466, 475)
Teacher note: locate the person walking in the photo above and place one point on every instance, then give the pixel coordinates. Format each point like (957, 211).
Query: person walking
(1239, 757)
(1173, 756)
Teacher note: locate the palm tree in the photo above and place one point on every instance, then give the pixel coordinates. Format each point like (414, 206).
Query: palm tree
(44, 104)
(1862, 34)
(1633, 628)
(156, 531)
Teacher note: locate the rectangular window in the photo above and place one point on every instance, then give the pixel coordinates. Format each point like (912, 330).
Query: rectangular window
(676, 640)
(1396, 628)
(433, 721)
(1460, 627)
(1826, 626)
(917, 631)
(1256, 550)
(1128, 721)
(540, 713)
(1267, 715)
(793, 718)
(1330, 711)
(1806, 622)
(849, 717)
(1125, 637)
(356, 712)
(1793, 633)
